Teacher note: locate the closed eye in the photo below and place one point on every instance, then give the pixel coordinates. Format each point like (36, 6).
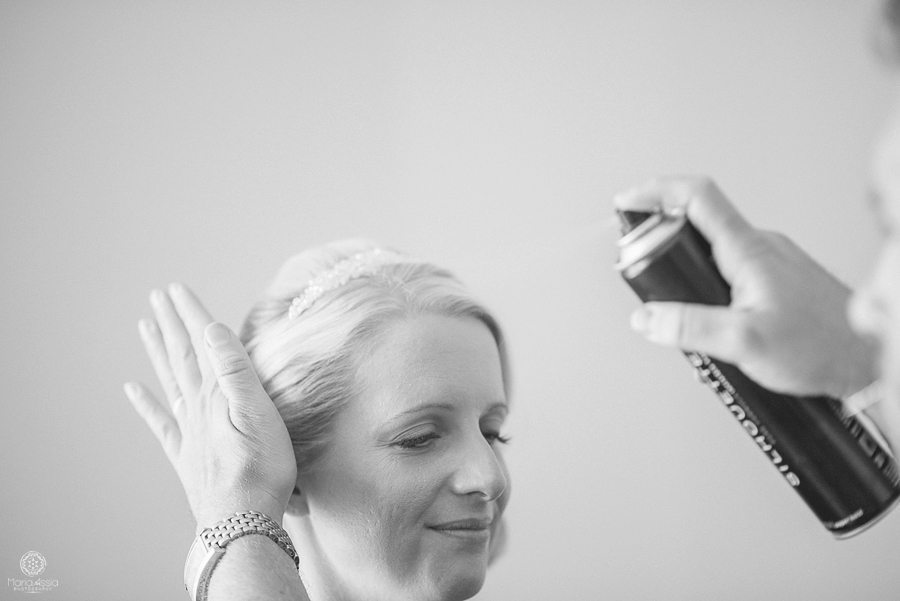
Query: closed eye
(417, 442)
(494, 437)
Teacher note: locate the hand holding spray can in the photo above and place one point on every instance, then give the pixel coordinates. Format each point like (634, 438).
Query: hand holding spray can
(830, 459)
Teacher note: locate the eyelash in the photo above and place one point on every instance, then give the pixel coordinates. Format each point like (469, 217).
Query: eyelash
(494, 437)
(417, 442)
(422, 441)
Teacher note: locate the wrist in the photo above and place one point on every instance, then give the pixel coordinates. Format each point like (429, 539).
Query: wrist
(211, 544)
(255, 567)
(227, 505)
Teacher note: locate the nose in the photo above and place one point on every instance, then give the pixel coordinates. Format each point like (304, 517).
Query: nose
(480, 471)
(866, 311)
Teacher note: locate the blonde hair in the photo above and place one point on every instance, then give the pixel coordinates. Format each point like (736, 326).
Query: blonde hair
(307, 365)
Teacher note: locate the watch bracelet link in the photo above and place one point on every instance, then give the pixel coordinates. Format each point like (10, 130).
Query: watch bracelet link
(249, 522)
(209, 547)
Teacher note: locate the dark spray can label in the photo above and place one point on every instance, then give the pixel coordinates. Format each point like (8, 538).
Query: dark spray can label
(830, 459)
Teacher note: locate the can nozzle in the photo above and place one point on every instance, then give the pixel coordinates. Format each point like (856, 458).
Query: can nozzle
(628, 220)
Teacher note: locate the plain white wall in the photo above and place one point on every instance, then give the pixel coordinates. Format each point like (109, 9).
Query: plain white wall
(142, 143)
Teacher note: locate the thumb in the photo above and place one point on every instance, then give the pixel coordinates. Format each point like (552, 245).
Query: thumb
(712, 330)
(236, 377)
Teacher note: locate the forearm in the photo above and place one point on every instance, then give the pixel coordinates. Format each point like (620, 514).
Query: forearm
(255, 568)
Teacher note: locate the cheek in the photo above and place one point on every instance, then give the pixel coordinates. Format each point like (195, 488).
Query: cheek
(405, 500)
(399, 501)
(377, 503)
(503, 500)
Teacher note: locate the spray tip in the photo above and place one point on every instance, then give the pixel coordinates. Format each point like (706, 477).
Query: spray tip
(628, 220)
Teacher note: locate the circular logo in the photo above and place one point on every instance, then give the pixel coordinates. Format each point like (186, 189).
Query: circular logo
(32, 563)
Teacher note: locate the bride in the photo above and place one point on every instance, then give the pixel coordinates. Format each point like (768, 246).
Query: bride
(359, 433)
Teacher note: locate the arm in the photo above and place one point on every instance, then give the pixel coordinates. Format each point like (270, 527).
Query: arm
(255, 568)
(786, 326)
(225, 439)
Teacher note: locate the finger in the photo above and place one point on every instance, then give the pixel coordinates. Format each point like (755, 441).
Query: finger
(719, 221)
(648, 197)
(707, 207)
(237, 378)
(157, 417)
(159, 358)
(179, 348)
(671, 192)
(195, 318)
(667, 191)
(717, 331)
(714, 216)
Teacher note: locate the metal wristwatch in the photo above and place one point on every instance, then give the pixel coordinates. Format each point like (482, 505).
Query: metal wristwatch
(209, 547)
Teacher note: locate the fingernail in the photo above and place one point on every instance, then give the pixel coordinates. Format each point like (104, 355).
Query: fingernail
(176, 288)
(131, 389)
(640, 320)
(217, 335)
(156, 298)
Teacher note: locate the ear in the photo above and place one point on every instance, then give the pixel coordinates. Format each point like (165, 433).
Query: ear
(297, 504)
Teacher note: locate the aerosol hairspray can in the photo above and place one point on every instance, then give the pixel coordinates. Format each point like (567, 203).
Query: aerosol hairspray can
(831, 459)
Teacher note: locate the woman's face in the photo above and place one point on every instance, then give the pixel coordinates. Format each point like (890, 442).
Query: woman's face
(875, 308)
(408, 495)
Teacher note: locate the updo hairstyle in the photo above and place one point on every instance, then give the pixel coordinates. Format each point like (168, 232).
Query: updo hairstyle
(308, 364)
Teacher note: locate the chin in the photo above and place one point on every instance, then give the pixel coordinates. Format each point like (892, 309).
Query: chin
(458, 580)
(462, 587)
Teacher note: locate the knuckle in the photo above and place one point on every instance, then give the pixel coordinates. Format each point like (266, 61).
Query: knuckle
(166, 431)
(696, 331)
(186, 353)
(746, 338)
(231, 365)
(684, 327)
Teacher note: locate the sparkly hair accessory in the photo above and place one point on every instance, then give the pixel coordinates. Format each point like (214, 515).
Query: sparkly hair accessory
(359, 265)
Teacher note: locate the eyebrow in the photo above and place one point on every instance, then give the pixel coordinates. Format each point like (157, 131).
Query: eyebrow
(503, 406)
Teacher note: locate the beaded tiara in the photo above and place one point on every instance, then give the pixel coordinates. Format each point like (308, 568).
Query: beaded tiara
(356, 266)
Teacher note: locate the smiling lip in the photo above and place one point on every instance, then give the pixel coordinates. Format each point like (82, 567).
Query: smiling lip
(468, 528)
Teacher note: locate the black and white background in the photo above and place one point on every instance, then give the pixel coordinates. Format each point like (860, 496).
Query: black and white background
(204, 142)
